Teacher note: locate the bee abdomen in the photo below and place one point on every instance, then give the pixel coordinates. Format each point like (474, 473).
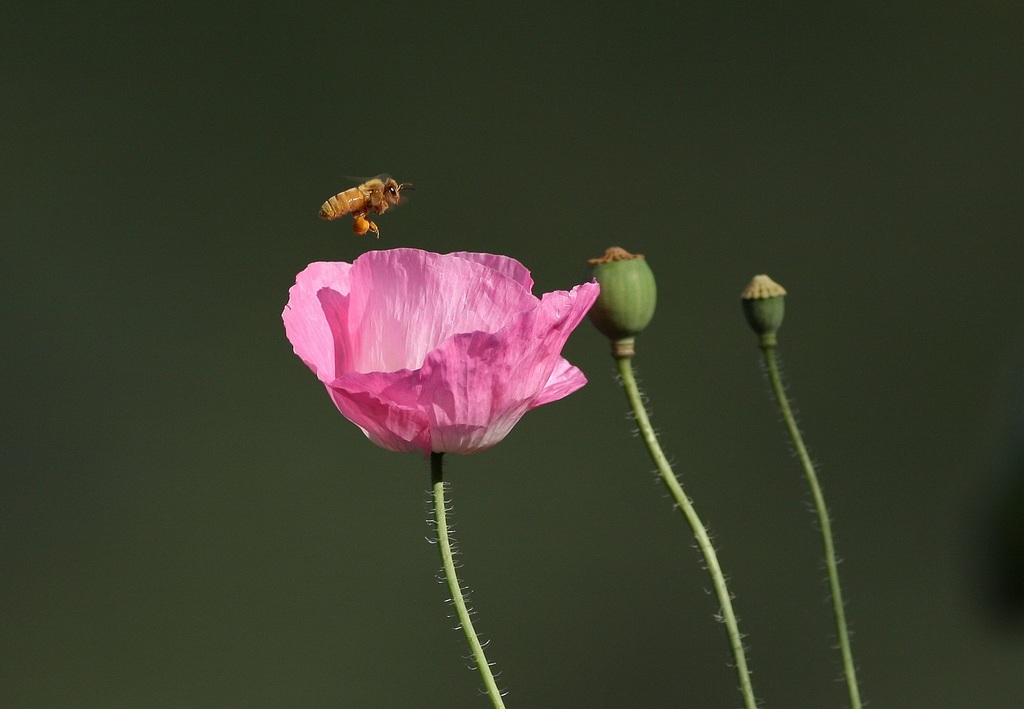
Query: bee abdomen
(331, 209)
(341, 204)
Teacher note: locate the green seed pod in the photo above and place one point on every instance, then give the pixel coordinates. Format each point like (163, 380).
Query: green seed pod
(764, 304)
(628, 294)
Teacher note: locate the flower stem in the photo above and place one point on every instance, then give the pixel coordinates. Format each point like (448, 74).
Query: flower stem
(454, 587)
(771, 362)
(625, 366)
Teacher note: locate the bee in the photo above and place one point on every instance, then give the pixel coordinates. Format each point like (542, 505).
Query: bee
(372, 197)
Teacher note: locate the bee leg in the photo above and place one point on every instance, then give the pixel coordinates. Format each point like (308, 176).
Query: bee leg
(361, 225)
(374, 229)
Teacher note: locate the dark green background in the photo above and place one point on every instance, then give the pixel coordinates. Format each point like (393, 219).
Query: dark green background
(185, 519)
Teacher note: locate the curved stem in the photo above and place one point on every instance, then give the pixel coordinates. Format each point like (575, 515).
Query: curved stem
(454, 587)
(699, 531)
(768, 347)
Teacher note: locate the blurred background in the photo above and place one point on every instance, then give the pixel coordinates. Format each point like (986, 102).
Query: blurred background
(186, 520)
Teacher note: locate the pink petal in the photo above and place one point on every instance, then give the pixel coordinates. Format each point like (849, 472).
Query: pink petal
(316, 320)
(406, 302)
(504, 265)
(475, 387)
(564, 380)
(426, 352)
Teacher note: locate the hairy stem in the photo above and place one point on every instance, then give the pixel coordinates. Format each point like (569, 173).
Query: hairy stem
(850, 670)
(699, 531)
(454, 587)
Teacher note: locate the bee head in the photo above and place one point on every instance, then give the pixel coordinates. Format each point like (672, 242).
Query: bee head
(393, 190)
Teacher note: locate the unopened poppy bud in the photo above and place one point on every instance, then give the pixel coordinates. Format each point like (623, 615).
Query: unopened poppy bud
(764, 304)
(628, 294)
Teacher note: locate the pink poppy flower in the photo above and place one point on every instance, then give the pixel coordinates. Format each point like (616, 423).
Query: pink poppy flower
(434, 353)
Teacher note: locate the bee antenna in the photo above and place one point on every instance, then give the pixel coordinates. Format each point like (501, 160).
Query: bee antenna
(406, 186)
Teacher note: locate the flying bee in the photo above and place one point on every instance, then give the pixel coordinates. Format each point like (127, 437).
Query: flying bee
(372, 197)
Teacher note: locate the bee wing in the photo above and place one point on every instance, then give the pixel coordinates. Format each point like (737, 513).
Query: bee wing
(360, 180)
